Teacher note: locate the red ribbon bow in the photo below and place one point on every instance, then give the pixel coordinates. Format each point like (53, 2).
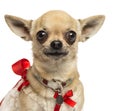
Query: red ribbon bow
(20, 68)
(66, 99)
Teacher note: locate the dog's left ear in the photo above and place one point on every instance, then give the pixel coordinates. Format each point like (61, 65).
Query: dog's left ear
(19, 26)
(90, 26)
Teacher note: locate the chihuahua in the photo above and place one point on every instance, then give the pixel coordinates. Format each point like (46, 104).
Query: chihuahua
(54, 83)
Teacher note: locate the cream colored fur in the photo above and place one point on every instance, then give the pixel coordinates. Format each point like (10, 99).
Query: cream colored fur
(56, 23)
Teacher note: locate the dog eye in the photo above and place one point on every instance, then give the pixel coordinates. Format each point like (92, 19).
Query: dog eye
(42, 36)
(70, 37)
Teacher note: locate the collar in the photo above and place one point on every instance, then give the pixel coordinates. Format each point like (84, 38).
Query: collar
(55, 85)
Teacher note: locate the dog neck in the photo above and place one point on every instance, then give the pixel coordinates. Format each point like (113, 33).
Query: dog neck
(58, 70)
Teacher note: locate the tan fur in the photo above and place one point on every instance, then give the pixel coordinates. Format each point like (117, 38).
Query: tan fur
(56, 24)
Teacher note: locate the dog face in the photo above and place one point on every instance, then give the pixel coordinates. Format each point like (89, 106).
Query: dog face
(55, 35)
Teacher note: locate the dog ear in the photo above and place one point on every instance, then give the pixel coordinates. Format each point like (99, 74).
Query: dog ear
(90, 26)
(19, 26)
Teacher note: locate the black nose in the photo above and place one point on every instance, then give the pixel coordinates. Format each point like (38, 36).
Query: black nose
(56, 44)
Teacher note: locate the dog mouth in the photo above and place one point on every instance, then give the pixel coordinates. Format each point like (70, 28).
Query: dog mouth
(55, 53)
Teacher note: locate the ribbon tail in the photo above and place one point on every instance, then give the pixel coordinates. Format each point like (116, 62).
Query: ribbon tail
(56, 95)
(25, 83)
(57, 107)
(70, 102)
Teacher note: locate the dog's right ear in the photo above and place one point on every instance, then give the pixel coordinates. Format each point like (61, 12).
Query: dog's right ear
(19, 26)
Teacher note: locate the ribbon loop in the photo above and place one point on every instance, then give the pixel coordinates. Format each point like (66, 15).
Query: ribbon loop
(68, 94)
(67, 99)
(21, 66)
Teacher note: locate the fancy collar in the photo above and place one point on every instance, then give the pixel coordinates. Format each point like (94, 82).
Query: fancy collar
(55, 85)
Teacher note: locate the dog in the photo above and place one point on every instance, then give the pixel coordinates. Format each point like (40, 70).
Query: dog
(54, 83)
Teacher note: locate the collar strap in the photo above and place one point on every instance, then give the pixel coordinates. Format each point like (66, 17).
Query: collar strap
(55, 85)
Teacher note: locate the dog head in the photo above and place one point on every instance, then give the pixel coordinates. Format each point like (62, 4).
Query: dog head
(55, 35)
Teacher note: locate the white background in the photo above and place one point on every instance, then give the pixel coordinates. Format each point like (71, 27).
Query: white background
(98, 58)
